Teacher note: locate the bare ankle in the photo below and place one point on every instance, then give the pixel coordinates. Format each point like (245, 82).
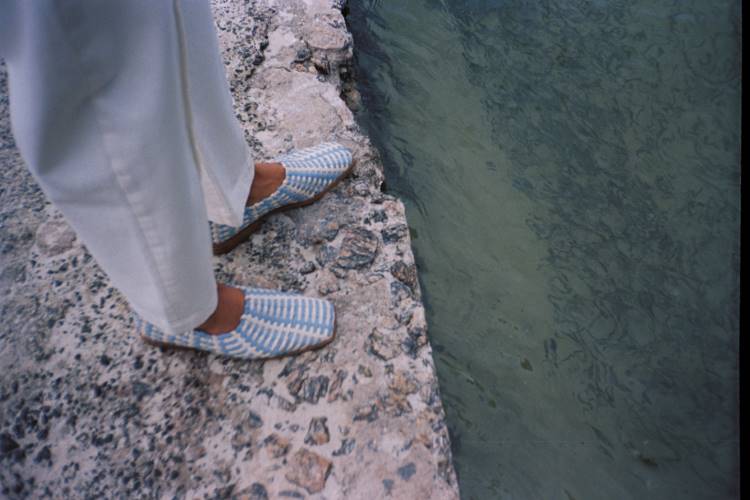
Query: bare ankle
(268, 177)
(228, 313)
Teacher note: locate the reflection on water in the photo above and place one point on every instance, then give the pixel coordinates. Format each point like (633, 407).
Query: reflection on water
(571, 175)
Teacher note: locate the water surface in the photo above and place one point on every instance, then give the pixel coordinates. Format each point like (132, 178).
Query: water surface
(570, 170)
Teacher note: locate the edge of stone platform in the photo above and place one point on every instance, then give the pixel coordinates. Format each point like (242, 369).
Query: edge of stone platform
(327, 49)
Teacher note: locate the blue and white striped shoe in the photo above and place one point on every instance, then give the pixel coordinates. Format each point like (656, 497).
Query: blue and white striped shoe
(273, 324)
(310, 173)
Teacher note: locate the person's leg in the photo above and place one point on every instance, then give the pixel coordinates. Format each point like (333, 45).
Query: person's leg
(98, 111)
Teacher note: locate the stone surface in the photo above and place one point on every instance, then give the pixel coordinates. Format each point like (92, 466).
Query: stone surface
(89, 411)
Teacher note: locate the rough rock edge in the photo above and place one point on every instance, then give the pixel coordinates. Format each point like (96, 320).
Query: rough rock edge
(136, 421)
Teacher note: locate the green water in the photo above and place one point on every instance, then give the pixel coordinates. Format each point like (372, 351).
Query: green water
(570, 170)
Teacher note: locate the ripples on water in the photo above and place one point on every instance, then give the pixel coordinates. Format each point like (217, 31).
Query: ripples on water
(570, 170)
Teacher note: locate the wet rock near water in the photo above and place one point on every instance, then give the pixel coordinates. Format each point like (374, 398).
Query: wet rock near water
(405, 273)
(394, 233)
(87, 410)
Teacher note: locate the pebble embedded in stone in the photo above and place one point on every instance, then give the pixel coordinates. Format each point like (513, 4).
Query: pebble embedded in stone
(399, 293)
(334, 392)
(385, 344)
(388, 485)
(7, 443)
(347, 445)
(307, 268)
(358, 249)
(55, 237)
(326, 255)
(256, 491)
(308, 470)
(365, 371)
(403, 382)
(253, 420)
(303, 54)
(407, 471)
(394, 233)
(44, 455)
(317, 432)
(276, 445)
(240, 440)
(369, 412)
(405, 273)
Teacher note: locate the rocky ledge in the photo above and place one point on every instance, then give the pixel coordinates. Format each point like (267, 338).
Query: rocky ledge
(88, 410)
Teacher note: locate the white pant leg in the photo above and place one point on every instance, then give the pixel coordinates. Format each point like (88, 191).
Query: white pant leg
(102, 118)
(223, 156)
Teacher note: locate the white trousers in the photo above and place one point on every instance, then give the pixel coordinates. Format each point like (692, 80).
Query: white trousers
(122, 111)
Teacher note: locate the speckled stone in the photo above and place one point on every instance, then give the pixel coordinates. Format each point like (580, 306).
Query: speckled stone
(87, 410)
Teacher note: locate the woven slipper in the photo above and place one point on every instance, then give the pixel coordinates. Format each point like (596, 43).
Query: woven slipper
(273, 324)
(310, 173)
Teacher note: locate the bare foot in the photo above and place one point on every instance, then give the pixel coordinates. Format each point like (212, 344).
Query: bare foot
(228, 312)
(268, 178)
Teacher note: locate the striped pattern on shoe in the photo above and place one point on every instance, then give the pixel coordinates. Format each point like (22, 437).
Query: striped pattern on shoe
(310, 173)
(273, 324)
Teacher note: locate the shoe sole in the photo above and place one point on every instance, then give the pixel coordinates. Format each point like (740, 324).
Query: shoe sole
(243, 234)
(167, 345)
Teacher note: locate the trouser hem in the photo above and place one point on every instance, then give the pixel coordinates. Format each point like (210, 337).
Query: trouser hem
(240, 193)
(188, 323)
